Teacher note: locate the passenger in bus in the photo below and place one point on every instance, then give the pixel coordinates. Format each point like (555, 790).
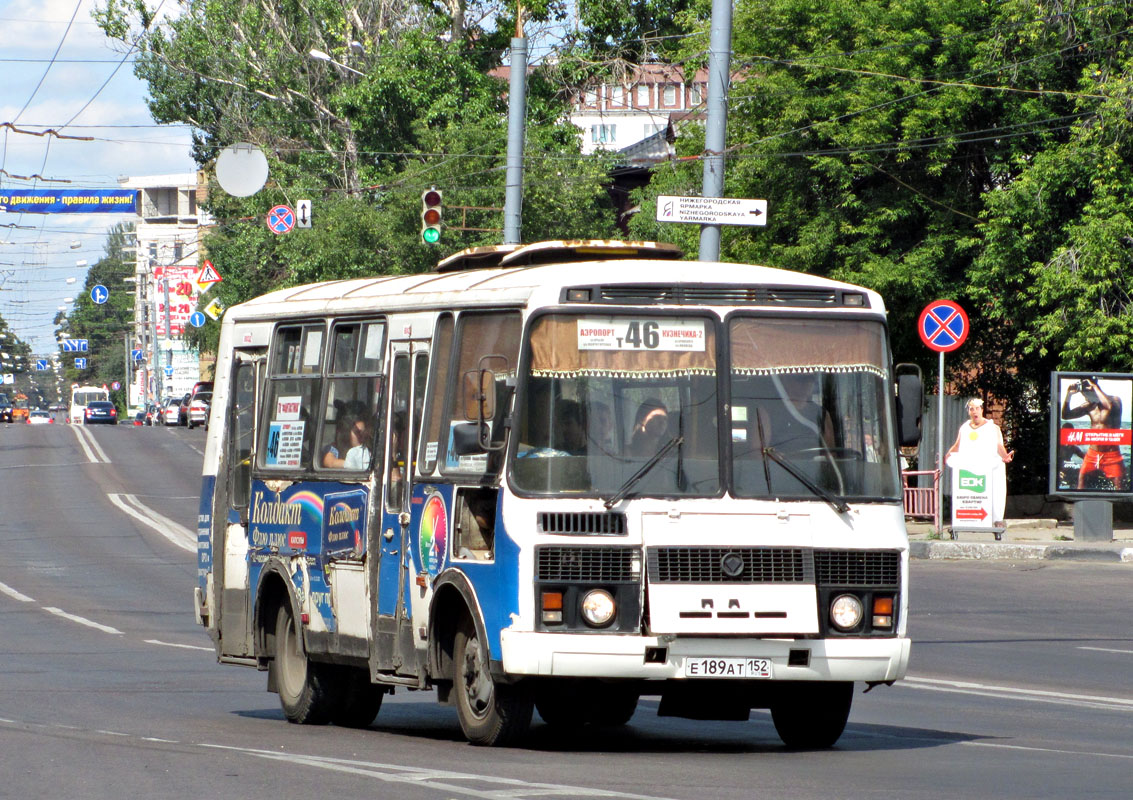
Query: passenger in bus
(334, 454)
(570, 428)
(650, 429)
(600, 429)
(361, 434)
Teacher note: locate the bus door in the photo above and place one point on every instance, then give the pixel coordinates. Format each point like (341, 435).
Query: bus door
(231, 567)
(395, 643)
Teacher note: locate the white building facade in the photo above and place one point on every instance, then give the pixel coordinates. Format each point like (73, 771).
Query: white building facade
(168, 260)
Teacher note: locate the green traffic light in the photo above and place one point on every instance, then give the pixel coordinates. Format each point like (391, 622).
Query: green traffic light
(431, 235)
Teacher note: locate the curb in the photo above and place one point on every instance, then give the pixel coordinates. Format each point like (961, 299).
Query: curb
(980, 551)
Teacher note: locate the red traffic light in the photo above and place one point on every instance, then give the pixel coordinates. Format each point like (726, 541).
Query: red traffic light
(431, 197)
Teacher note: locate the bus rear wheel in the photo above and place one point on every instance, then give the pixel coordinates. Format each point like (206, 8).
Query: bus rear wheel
(812, 716)
(359, 701)
(305, 688)
(491, 714)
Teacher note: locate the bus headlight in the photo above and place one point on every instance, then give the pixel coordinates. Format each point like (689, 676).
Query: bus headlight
(846, 611)
(598, 608)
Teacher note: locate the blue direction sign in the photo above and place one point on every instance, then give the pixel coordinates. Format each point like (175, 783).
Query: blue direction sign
(80, 363)
(136, 355)
(41, 364)
(197, 319)
(74, 345)
(99, 294)
(943, 326)
(281, 219)
(169, 372)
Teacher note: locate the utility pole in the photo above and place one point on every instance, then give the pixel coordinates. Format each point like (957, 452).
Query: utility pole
(516, 122)
(715, 140)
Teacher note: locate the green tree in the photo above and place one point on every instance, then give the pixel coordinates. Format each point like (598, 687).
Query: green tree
(425, 111)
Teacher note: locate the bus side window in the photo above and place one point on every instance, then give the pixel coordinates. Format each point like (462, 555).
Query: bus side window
(293, 394)
(353, 397)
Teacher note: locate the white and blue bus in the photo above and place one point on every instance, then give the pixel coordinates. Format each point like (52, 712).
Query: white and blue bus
(560, 477)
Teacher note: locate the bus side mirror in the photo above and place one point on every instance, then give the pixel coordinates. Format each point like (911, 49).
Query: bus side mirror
(479, 395)
(910, 401)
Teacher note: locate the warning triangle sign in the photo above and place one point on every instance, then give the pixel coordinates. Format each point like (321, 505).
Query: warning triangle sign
(208, 276)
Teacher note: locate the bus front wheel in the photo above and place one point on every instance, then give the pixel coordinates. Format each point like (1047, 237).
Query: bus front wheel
(490, 714)
(304, 689)
(812, 716)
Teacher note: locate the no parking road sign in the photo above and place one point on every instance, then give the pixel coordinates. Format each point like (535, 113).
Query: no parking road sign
(281, 219)
(943, 326)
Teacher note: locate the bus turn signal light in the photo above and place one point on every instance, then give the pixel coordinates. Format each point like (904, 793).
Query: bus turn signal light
(883, 612)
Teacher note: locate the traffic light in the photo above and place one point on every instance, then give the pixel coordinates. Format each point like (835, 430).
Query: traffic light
(431, 214)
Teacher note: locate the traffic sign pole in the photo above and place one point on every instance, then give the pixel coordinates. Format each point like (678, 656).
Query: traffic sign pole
(943, 326)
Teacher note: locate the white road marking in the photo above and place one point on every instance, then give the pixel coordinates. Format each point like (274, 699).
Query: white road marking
(441, 780)
(94, 452)
(174, 644)
(1035, 695)
(1108, 650)
(82, 620)
(15, 595)
(177, 534)
(1045, 750)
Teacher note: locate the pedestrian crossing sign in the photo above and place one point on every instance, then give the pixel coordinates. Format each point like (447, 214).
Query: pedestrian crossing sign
(207, 276)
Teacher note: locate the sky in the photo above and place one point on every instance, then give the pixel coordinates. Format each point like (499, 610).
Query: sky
(53, 77)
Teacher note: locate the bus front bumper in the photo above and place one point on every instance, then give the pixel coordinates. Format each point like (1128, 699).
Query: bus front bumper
(597, 656)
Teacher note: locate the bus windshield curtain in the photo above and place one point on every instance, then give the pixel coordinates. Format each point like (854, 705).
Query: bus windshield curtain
(777, 346)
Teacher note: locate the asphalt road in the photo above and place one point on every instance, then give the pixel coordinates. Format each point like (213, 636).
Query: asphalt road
(1019, 687)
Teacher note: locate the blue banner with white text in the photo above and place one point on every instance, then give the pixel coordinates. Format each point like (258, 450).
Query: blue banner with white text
(69, 201)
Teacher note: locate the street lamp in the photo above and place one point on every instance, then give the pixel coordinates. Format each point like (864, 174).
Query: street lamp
(319, 55)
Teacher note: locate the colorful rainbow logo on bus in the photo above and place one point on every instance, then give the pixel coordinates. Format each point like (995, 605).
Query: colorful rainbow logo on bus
(433, 534)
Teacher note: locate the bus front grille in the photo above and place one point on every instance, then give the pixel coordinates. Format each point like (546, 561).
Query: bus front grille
(730, 565)
(857, 567)
(601, 564)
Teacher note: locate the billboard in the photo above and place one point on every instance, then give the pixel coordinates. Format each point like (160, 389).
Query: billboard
(1091, 438)
(69, 201)
(183, 294)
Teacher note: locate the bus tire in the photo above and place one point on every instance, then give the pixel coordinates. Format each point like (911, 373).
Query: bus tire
(491, 714)
(359, 700)
(812, 716)
(305, 688)
(563, 705)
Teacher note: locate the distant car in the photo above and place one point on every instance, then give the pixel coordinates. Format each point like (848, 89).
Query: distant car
(183, 409)
(5, 410)
(170, 412)
(201, 386)
(199, 409)
(57, 407)
(40, 417)
(147, 415)
(100, 412)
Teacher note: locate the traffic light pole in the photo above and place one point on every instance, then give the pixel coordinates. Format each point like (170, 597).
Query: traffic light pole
(715, 140)
(516, 118)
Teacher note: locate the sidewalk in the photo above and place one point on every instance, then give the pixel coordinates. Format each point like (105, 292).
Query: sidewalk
(1023, 540)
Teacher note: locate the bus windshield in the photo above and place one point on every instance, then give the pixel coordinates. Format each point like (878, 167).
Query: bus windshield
(603, 395)
(808, 415)
(808, 406)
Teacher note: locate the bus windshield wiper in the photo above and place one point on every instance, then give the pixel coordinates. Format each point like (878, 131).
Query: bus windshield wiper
(836, 503)
(641, 473)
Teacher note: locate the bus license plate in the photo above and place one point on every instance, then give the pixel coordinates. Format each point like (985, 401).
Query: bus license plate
(728, 667)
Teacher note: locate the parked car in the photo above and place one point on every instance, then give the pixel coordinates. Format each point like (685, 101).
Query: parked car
(199, 409)
(183, 409)
(40, 417)
(5, 408)
(100, 412)
(170, 411)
